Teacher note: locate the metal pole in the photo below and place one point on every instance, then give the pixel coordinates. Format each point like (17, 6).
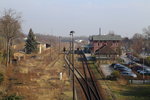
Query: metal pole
(70, 53)
(71, 32)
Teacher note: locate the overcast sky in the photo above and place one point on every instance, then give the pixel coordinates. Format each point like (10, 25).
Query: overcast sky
(59, 17)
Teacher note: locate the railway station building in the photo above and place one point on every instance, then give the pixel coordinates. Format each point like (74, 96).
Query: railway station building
(105, 46)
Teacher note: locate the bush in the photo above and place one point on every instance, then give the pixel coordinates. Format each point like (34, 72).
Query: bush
(114, 75)
(1, 77)
(12, 97)
(148, 60)
(119, 60)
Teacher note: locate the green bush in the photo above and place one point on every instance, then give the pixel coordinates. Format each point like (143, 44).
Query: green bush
(148, 60)
(1, 77)
(119, 60)
(12, 97)
(114, 75)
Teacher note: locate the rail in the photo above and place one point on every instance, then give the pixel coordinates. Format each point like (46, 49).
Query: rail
(89, 88)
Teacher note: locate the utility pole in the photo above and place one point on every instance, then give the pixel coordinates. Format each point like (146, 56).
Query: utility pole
(59, 44)
(99, 47)
(73, 82)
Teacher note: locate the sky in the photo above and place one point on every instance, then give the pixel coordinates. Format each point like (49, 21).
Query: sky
(85, 17)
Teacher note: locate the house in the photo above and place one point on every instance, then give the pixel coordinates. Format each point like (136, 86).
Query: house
(98, 41)
(108, 46)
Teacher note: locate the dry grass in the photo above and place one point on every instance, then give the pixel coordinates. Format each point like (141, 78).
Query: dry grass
(38, 78)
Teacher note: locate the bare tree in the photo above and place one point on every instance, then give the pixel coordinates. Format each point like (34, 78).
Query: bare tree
(126, 42)
(146, 32)
(137, 42)
(10, 27)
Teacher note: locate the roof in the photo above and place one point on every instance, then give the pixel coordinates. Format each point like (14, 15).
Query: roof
(105, 37)
(106, 50)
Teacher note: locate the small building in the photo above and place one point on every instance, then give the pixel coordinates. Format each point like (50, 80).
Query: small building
(42, 47)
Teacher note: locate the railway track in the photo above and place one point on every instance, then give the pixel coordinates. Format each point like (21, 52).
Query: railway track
(85, 79)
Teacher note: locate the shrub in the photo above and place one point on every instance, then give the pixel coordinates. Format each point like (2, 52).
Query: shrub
(12, 97)
(148, 60)
(119, 60)
(114, 75)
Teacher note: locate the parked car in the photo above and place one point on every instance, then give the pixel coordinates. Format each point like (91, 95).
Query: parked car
(137, 68)
(112, 65)
(145, 72)
(123, 69)
(147, 68)
(118, 65)
(129, 56)
(128, 73)
(135, 59)
(131, 63)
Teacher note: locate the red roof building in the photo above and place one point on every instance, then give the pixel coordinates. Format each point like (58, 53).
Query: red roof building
(98, 41)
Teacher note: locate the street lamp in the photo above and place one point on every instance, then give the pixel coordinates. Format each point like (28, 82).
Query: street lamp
(72, 46)
(70, 51)
(72, 40)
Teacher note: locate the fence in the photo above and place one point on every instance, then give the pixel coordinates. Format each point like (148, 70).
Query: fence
(139, 81)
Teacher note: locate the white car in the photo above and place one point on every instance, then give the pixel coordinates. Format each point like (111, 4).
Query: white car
(128, 73)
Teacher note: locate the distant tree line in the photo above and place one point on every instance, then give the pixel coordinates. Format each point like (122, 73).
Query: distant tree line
(139, 42)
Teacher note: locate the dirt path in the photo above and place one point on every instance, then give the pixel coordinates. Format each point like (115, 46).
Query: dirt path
(38, 79)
